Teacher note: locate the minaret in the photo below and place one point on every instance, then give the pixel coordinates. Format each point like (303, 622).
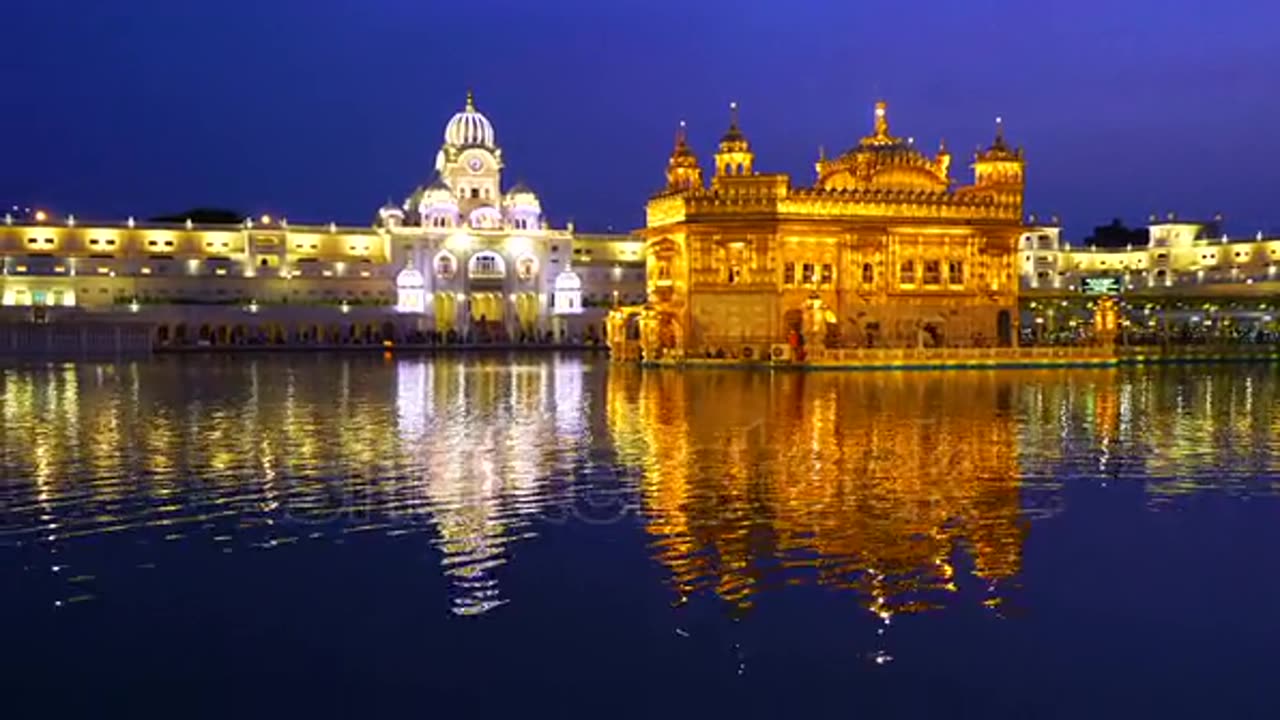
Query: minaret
(683, 171)
(734, 156)
(943, 159)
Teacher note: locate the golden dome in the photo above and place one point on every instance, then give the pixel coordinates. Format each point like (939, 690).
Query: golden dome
(733, 139)
(882, 160)
(682, 155)
(999, 149)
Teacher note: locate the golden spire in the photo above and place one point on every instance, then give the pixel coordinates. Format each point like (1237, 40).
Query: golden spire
(882, 120)
(733, 114)
(471, 101)
(999, 131)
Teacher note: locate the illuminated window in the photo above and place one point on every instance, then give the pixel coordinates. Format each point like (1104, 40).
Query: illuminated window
(828, 273)
(526, 268)
(907, 272)
(955, 272)
(868, 274)
(444, 266)
(806, 274)
(789, 274)
(485, 265)
(932, 272)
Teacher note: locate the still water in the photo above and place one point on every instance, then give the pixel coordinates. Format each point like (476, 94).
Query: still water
(362, 536)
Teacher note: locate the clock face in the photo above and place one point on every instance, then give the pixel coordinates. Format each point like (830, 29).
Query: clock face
(476, 164)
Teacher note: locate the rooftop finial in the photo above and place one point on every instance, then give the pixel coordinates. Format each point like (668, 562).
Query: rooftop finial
(999, 130)
(882, 119)
(733, 114)
(471, 101)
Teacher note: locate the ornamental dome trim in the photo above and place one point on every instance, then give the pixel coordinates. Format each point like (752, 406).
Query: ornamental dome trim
(469, 128)
(410, 278)
(568, 281)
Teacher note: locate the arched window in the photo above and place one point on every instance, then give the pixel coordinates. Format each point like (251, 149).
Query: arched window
(907, 272)
(487, 265)
(526, 267)
(932, 272)
(868, 274)
(446, 266)
(486, 217)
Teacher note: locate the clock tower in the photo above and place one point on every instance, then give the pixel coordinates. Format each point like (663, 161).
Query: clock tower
(470, 161)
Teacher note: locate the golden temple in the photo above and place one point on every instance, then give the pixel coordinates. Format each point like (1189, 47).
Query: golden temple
(884, 250)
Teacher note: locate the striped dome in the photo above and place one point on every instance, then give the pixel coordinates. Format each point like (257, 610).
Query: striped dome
(469, 128)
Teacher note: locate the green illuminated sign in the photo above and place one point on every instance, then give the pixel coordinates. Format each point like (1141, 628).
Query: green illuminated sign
(1101, 286)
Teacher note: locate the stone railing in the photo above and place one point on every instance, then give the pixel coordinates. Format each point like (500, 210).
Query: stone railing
(890, 356)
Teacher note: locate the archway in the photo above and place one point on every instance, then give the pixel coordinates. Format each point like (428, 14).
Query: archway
(1004, 329)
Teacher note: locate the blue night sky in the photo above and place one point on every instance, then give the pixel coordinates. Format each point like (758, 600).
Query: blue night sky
(321, 109)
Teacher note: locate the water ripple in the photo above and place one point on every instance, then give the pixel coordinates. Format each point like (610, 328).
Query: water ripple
(911, 492)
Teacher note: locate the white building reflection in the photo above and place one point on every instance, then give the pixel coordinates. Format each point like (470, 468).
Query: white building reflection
(483, 439)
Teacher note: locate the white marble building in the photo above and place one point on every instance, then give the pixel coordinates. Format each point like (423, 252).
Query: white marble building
(473, 258)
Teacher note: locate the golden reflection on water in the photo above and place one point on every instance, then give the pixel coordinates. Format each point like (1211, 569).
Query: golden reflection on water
(869, 482)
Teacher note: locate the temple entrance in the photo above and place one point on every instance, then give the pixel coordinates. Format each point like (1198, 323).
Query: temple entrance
(793, 321)
(528, 306)
(1004, 329)
(446, 311)
(487, 306)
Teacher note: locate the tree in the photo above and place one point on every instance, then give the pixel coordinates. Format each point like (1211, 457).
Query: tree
(203, 216)
(1117, 235)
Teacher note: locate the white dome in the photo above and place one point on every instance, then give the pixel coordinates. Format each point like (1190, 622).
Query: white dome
(568, 280)
(469, 128)
(439, 194)
(521, 197)
(409, 277)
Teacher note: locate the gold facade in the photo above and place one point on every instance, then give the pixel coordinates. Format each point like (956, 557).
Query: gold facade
(882, 251)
